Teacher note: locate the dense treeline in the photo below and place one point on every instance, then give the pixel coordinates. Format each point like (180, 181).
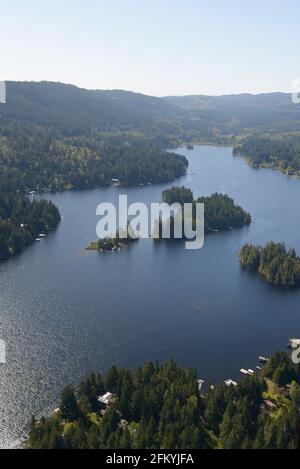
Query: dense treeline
(161, 407)
(274, 262)
(22, 220)
(35, 159)
(220, 211)
(176, 194)
(280, 151)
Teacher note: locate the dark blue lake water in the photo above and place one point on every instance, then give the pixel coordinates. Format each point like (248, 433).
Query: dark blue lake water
(65, 312)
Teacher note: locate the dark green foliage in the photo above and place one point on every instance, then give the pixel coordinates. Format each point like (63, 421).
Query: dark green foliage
(273, 150)
(55, 137)
(160, 407)
(37, 159)
(281, 370)
(180, 195)
(277, 265)
(68, 405)
(155, 407)
(220, 211)
(22, 220)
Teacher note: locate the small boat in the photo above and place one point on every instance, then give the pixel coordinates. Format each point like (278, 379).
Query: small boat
(259, 368)
(263, 359)
(251, 372)
(37, 239)
(244, 372)
(42, 235)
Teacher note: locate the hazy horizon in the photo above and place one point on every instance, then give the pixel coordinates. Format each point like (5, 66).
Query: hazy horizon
(145, 94)
(169, 48)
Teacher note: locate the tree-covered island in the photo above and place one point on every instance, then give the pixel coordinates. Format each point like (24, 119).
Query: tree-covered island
(114, 243)
(279, 266)
(220, 211)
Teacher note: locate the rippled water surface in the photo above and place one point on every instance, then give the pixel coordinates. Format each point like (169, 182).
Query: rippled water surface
(65, 312)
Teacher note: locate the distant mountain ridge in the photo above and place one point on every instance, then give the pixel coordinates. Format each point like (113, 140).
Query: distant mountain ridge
(59, 105)
(53, 104)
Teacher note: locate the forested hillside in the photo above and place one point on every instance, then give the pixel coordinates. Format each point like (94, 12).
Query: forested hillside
(237, 114)
(33, 159)
(55, 136)
(161, 407)
(280, 151)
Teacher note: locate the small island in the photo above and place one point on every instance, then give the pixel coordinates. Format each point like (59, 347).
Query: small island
(276, 264)
(114, 243)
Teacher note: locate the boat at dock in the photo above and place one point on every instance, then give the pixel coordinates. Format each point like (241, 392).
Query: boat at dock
(245, 372)
(263, 359)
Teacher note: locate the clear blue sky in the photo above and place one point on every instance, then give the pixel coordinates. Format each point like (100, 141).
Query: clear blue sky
(158, 47)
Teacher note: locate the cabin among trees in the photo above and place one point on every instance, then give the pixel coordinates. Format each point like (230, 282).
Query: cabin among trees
(160, 407)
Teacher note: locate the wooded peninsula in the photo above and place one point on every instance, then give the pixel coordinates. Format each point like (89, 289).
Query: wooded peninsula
(22, 220)
(162, 407)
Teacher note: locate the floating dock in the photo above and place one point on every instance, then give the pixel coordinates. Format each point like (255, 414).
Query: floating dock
(263, 359)
(245, 372)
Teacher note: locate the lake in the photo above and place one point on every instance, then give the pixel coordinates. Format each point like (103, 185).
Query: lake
(65, 312)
